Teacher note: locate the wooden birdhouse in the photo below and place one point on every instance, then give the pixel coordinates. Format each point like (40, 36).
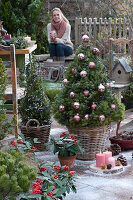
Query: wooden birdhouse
(121, 72)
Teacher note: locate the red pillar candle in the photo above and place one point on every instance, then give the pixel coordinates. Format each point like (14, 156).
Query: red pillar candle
(100, 159)
(107, 154)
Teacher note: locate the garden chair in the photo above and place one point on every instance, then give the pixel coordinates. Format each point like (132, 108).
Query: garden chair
(125, 48)
(10, 50)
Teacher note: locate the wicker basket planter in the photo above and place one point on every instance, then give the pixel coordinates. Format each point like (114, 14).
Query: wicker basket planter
(40, 132)
(93, 140)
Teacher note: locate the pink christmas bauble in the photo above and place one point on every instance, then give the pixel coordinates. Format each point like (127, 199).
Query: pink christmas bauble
(85, 38)
(102, 118)
(86, 117)
(65, 81)
(74, 70)
(95, 51)
(83, 73)
(61, 108)
(92, 65)
(113, 106)
(93, 106)
(76, 105)
(76, 118)
(72, 94)
(86, 93)
(81, 56)
(101, 88)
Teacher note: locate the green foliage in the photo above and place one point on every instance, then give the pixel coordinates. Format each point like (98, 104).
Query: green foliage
(128, 94)
(91, 82)
(26, 17)
(5, 125)
(66, 145)
(35, 104)
(52, 183)
(51, 93)
(19, 42)
(24, 145)
(15, 175)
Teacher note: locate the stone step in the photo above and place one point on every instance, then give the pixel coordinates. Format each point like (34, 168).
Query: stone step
(44, 57)
(52, 71)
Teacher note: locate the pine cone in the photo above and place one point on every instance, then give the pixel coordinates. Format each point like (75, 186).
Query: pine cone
(123, 160)
(117, 163)
(115, 149)
(103, 166)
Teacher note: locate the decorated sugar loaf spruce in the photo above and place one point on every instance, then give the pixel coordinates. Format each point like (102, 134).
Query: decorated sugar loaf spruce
(86, 82)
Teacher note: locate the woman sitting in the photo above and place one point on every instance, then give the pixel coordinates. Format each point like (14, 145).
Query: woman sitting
(59, 31)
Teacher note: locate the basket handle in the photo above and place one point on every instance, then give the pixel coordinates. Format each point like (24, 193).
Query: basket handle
(117, 129)
(33, 120)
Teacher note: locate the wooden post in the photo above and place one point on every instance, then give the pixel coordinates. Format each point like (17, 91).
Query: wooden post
(85, 26)
(90, 28)
(131, 42)
(110, 56)
(14, 87)
(95, 30)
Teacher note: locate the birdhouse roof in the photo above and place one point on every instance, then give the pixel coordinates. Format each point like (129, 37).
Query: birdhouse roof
(124, 64)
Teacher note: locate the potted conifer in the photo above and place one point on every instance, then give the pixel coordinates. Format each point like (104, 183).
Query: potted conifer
(34, 109)
(87, 105)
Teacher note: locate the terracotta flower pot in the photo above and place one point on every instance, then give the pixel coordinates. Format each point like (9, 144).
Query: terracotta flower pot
(69, 161)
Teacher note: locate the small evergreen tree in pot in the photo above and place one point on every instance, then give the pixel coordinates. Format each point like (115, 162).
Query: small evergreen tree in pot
(35, 104)
(87, 99)
(34, 107)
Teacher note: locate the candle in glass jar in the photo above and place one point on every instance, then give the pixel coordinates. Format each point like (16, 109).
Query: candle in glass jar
(112, 161)
(28, 39)
(100, 159)
(107, 154)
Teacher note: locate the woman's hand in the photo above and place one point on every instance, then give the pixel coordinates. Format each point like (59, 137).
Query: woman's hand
(53, 36)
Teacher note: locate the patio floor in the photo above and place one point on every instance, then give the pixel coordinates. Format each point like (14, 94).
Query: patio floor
(94, 186)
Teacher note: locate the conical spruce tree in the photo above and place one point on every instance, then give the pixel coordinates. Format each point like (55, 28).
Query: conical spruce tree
(35, 104)
(87, 99)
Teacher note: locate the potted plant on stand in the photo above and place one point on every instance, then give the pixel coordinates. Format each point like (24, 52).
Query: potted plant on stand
(34, 109)
(87, 105)
(67, 147)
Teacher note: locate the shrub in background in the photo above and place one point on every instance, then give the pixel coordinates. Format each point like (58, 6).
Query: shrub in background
(28, 19)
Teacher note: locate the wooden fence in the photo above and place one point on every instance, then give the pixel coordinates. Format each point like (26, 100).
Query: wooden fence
(100, 30)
